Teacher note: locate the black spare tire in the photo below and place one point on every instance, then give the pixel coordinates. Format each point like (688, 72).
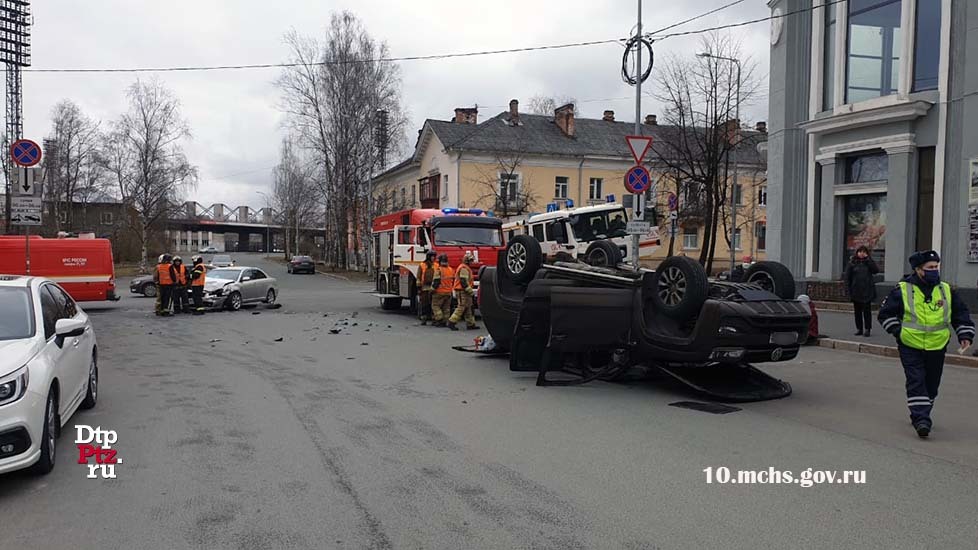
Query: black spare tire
(522, 259)
(603, 253)
(681, 287)
(773, 277)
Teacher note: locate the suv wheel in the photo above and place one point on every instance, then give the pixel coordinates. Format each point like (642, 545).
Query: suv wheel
(774, 277)
(523, 258)
(681, 287)
(603, 253)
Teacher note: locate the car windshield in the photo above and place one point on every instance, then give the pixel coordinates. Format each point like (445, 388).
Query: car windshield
(226, 274)
(222, 259)
(462, 235)
(16, 314)
(607, 224)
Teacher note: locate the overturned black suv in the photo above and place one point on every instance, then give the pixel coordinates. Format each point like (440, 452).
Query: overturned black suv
(598, 319)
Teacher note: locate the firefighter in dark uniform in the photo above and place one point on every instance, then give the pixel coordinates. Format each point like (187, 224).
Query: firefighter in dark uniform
(181, 279)
(465, 290)
(426, 274)
(198, 276)
(921, 312)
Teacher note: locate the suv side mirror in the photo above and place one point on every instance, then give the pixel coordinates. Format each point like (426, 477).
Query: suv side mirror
(68, 328)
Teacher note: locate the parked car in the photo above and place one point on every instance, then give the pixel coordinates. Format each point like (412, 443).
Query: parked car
(209, 250)
(222, 260)
(232, 287)
(144, 284)
(595, 317)
(300, 264)
(48, 369)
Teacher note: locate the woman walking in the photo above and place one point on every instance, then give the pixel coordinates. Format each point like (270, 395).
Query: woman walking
(861, 288)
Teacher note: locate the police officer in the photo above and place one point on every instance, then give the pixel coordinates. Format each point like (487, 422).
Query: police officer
(465, 290)
(163, 277)
(443, 281)
(426, 273)
(920, 312)
(181, 304)
(198, 276)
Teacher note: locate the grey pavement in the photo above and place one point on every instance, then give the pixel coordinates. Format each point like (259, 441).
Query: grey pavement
(233, 440)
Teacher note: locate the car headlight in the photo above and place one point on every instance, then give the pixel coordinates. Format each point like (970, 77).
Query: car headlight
(217, 292)
(14, 386)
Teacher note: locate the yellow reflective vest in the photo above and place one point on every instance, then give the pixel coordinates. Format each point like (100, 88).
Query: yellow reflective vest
(925, 325)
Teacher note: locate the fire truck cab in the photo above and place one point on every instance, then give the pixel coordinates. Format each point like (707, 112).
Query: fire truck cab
(401, 240)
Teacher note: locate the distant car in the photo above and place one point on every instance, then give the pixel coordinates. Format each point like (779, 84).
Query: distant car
(209, 250)
(232, 287)
(222, 260)
(48, 369)
(301, 264)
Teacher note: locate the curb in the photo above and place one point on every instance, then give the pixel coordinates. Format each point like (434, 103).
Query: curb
(845, 307)
(890, 351)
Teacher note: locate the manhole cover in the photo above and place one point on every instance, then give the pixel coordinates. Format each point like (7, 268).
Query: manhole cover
(712, 408)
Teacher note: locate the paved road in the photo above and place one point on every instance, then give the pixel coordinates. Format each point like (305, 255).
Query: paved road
(319, 441)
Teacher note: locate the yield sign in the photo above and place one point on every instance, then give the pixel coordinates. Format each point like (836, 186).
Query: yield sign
(639, 145)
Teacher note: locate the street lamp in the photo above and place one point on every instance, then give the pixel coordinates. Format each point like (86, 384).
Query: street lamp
(268, 215)
(733, 191)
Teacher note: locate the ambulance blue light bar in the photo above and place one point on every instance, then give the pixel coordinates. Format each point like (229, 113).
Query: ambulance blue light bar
(476, 211)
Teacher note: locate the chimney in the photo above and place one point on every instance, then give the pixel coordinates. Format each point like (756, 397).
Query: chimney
(609, 116)
(564, 117)
(514, 112)
(761, 127)
(466, 115)
(651, 120)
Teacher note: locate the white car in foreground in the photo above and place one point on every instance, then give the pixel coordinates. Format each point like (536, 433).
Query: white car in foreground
(48, 369)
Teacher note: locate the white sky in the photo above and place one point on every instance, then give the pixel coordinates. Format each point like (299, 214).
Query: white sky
(234, 114)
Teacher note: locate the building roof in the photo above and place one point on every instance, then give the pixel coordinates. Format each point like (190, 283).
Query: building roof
(540, 135)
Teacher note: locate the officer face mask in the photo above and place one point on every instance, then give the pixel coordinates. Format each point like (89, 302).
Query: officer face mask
(932, 276)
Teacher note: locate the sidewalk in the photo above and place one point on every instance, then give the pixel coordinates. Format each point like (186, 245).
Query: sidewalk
(839, 327)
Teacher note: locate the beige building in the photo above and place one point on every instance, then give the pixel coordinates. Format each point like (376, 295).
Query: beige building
(515, 164)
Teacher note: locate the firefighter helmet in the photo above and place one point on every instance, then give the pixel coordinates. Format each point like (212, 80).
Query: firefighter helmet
(430, 254)
(167, 258)
(178, 259)
(468, 258)
(443, 258)
(197, 259)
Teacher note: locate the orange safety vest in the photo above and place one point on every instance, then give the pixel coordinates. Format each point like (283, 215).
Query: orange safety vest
(446, 275)
(467, 271)
(181, 271)
(199, 281)
(163, 270)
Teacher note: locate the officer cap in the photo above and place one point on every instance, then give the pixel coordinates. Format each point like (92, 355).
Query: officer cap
(918, 259)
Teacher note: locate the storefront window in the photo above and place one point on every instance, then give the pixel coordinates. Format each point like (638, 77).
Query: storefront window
(866, 225)
(873, 55)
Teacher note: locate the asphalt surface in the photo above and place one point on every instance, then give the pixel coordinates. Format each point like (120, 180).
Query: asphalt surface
(382, 436)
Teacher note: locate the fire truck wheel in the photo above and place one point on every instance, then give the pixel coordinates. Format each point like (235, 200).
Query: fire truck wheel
(522, 259)
(388, 304)
(603, 253)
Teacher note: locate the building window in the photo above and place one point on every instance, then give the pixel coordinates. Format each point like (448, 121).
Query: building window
(403, 198)
(874, 39)
(762, 196)
(872, 168)
(444, 186)
(737, 233)
(738, 194)
(414, 195)
(828, 58)
(691, 238)
(927, 45)
(560, 187)
(106, 218)
(509, 189)
(760, 231)
(594, 189)
(865, 225)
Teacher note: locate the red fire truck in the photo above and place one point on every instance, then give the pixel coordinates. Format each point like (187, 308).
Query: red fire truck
(401, 239)
(83, 266)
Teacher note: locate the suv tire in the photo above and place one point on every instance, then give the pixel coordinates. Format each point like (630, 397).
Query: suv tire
(681, 287)
(603, 253)
(772, 276)
(522, 259)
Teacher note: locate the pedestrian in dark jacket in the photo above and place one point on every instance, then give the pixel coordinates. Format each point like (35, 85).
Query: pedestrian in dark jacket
(921, 313)
(862, 288)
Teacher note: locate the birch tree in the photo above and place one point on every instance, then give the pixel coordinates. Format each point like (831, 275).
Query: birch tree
(71, 170)
(145, 157)
(293, 188)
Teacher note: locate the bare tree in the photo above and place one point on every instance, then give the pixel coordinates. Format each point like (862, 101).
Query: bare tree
(292, 193)
(145, 157)
(546, 105)
(699, 98)
(71, 174)
(503, 188)
(332, 93)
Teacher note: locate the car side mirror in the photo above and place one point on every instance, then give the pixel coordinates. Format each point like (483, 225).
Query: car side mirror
(243, 279)
(68, 328)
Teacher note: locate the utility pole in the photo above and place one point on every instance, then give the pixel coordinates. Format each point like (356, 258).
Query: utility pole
(639, 207)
